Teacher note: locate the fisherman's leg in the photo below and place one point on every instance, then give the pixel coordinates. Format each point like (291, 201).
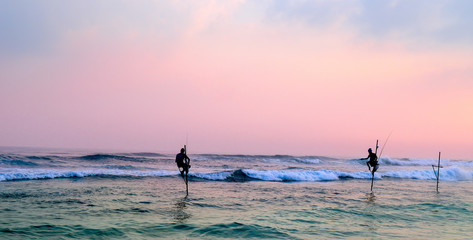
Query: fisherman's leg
(368, 164)
(375, 168)
(188, 165)
(181, 169)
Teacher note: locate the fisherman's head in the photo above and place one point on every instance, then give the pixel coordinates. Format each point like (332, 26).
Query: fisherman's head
(183, 150)
(369, 150)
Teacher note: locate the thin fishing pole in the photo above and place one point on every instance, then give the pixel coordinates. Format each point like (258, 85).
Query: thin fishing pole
(385, 144)
(187, 139)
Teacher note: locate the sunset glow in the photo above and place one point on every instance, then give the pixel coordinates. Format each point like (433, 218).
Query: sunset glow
(250, 77)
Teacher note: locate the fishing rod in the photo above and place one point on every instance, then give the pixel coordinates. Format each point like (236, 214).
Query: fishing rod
(384, 145)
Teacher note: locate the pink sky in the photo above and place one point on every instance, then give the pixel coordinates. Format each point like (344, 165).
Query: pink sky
(238, 78)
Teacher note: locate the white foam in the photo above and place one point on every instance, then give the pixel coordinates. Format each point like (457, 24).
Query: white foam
(308, 160)
(422, 162)
(212, 176)
(448, 174)
(7, 174)
(312, 176)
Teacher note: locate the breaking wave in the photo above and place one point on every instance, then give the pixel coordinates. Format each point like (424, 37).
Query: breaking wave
(34, 174)
(449, 174)
(387, 161)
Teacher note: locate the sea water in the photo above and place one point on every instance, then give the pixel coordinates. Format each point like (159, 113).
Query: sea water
(59, 194)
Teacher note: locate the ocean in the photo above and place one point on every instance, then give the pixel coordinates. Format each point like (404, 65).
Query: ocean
(69, 194)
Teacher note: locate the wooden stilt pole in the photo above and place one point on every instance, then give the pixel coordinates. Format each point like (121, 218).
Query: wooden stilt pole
(372, 171)
(187, 177)
(372, 180)
(437, 173)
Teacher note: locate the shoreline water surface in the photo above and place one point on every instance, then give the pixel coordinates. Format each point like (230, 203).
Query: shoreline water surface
(140, 195)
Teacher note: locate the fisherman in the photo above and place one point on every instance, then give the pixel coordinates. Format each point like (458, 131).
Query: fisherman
(373, 162)
(183, 162)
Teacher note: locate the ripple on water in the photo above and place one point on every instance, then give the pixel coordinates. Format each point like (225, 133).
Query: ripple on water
(226, 230)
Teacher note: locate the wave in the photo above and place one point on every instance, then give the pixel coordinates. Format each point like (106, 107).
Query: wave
(229, 176)
(448, 174)
(9, 174)
(307, 160)
(310, 176)
(121, 167)
(263, 158)
(148, 154)
(18, 163)
(387, 161)
(33, 174)
(281, 175)
(19, 160)
(242, 230)
(100, 156)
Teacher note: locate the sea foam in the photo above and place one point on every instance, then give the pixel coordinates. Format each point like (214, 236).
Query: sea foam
(422, 162)
(8, 174)
(448, 174)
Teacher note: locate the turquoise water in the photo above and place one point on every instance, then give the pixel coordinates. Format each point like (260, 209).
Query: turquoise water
(157, 207)
(126, 206)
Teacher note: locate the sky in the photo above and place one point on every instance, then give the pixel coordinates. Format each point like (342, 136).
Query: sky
(239, 77)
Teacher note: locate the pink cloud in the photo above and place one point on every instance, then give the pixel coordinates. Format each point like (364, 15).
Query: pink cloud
(245, 89)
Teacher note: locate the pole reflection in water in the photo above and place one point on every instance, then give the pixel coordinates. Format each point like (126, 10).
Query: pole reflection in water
(372, 224)
(179, 211)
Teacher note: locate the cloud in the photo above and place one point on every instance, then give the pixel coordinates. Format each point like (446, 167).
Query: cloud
(416, 23)
(315, 14)
(289, 73)
(38, 27)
